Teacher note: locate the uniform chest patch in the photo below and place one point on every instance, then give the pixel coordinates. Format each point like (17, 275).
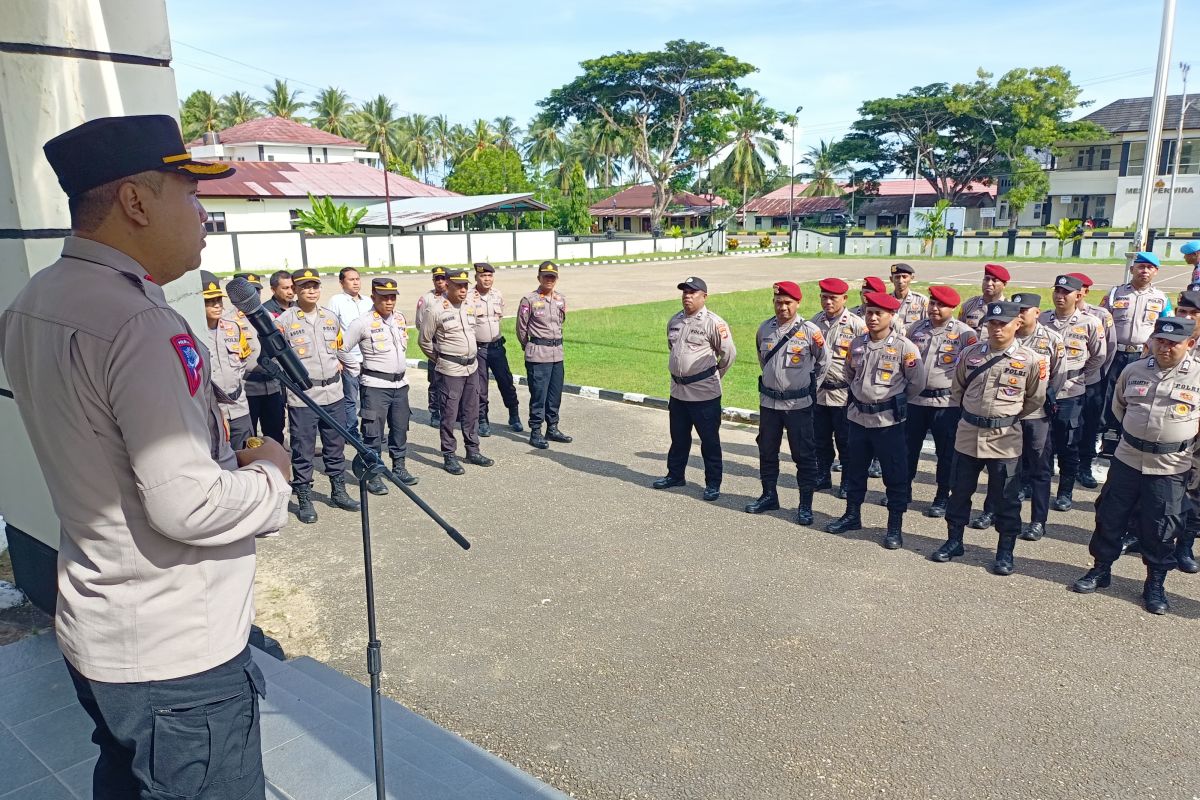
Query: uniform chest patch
(189, 357)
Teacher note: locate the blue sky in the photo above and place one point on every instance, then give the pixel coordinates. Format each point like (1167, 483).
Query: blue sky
(472, 59)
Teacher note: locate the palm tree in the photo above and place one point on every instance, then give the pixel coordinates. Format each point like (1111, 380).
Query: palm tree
(334, 111)
(443, 143)
(376, 126)
(481, 137)
(544, 146)
(605, 146)
(238, 107)
(745, 167)
(282, 102)
(416, 143)
(824, 169)
(507, 132)
(200, 112)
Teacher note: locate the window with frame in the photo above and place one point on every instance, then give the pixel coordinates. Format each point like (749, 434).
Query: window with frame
(215, 222)
(1137, 158)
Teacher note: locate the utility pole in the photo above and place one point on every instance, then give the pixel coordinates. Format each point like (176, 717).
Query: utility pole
(1184, 68)
(792, 177)
(1154, 131)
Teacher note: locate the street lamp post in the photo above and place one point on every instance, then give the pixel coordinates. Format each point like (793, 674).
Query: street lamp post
(1154, 131)
(1185, 68)
(792, 178)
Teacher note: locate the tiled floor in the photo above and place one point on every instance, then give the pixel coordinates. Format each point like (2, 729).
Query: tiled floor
(316, 738)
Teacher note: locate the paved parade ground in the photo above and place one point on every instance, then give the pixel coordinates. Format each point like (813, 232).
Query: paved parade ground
(620, 642)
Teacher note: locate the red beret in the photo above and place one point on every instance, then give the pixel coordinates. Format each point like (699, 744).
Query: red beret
(875, 284)
(996, 271)
(884, 301)
(790, 289)
(1084, 279)
(834, 286)
(945, 295)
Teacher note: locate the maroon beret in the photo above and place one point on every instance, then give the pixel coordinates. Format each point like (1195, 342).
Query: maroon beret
(945, 295)
(996, 271)
(885, 301)
(875, 284)
(790, 289)
(834, 286)
(1084, 279)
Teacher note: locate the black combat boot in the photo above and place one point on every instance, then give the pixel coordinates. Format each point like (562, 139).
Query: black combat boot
(804, 512)
(1098, 577)
(305, 511)
(951, 548)
(1085, 477)
(1184, 556)
(536, 439)
(937, 509)
(435, 419)
(1063, 501)
(479, 460)
(375, 485)
(894, 538)
(555, 435)
(836, 466)
(1154, 593)
(1003, 565)
(514, 420)
(1026, 493)
(485, 426)
(850, 521)
(982, 521)
(402, 474)
(451, 465)
(338, 496)
(769, 501)
(1033, 531)
(825, 481)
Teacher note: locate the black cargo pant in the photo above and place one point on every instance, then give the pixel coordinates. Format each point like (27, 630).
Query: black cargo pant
(1149, 505)
(195, 737)
(1120, 361)
(942, 423)
(545, 392)
(889, 446)
(1002, 490)
(492, 357)
(303, 427)
(1065, 430)
(434, 397)
(385, 406)
(1036, 460)
(267, 414)
(1093, 416)
(798, 424)
(829, 427)
(460, 401)
(705, 417)
(240, 429)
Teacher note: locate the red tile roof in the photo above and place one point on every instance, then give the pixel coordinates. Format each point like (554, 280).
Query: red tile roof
(898, 186)
(348, 179)
(277, 130)
(641, 198)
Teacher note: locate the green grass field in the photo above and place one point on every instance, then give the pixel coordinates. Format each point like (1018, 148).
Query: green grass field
(625, 348)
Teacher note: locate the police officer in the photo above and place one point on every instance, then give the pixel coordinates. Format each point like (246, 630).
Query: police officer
(996, 383)
(316, 336)
(884, 371)
(1083, 340)
(489, 307)
(430, 299)
(839, 327)
(349, 304)
(1093, 396)
(912, 304)
(1156, 400)
(1191, 256)
(283, 293)
(264, 395)
(540, 318)
(794, 356)
(1188, 307)
(229, 355)
(995, 279)
(940, 339)
(381, 337)
(1135, 306)
(1037, 452)
(447, 337)
(702, 351)
(870, 283)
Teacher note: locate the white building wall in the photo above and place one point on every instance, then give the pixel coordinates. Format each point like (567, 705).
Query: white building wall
(492, 246)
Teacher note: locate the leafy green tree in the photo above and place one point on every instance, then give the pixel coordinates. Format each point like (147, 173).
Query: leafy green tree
(376, 126)
(669, 103)
(282, 101)
(478, 139)
(573, 216)
(334, 112)
(755, 136)
(443, 143)
(397, 166)
(488, 173)
(199, 113)
(327, 219)
(824, 168)
(238, 107)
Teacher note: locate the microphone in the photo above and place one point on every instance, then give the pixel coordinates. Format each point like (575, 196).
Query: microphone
(244, 297)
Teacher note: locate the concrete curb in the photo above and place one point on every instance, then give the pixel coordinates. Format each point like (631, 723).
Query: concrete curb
(729, 414)
(681, 257)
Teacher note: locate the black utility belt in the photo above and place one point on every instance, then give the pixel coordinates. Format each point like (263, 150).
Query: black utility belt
(873, 408)
(383, 376)
(234, 395)
(699, 376)
(831, 385)
(497, 341)
(1156, 448)
(545, 342)
(326, 381)
(1075, 373)
(258, 376)
(463, 360)
(935, 393)
(789, 394)
(991, 423)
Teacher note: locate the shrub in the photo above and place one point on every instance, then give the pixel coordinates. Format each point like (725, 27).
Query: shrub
(732, 243)
(675, 232)
(764, 241)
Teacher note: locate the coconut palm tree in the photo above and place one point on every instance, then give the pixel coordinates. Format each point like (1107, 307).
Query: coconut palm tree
(507, 132)
(334, 111)
(544, 145)
(461, 138)
(377, 127)
(282, 101)
(824, 167)
(755, 135)
(443, 143)
(200, 112)
(605, 146)
(482, 137)
(416, 144)
(238, 107)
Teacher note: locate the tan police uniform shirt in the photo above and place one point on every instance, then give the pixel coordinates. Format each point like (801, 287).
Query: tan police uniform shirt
(939, 348)
(1158, 405)
(698, 343)
(449, 330)
(1049, 347)
(383, 342)
(880, 371)
(541, 316)
(156, 559)
(798, 366)
(1015, 386)
(489, 311)
(914, 307)
(972, 312)
(898, 326)
(1084, 344)
(229, 357)
(253, 387)
(1134, 313)
(316, 337)
(839, 332)
(426, 300)
(1110, 339)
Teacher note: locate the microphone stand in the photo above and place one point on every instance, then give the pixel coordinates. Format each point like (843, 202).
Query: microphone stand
(367, 464)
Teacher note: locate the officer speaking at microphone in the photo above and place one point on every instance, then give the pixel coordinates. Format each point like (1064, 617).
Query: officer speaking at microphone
(794, 357)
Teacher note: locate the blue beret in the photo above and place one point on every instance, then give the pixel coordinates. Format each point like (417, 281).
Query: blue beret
(1190, 247)
(1146, 257)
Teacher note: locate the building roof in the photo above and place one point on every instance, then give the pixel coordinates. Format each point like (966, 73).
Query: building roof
(345, 180)
(778, 206)
(277, 130)
(638, 200)
(775, 203)
(421, 210)
(898, 204)
(1132, 115)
